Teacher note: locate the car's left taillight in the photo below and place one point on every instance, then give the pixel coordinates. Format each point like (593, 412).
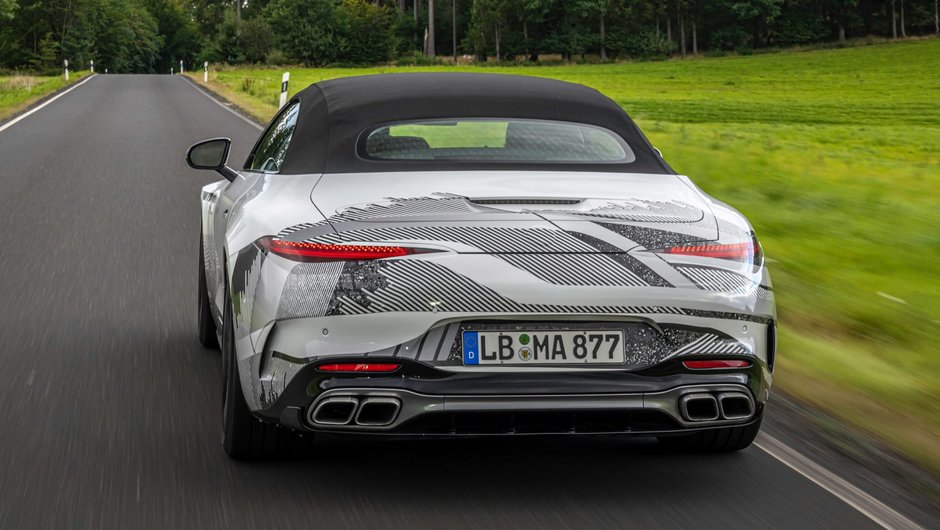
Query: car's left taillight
(318, 252)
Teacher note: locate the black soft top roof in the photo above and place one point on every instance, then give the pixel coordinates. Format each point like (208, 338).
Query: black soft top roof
(334, 115)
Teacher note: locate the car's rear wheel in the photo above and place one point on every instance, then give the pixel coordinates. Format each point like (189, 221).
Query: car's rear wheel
(244, 437)
(724, 440)
(207, 330)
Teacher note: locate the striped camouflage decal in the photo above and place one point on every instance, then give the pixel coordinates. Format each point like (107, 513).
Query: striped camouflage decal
(484, 238)
(575, 269)
(718, 280)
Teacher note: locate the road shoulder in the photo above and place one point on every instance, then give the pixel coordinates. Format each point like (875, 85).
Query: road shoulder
(854, 457)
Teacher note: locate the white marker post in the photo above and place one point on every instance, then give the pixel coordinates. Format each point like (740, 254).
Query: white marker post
(181, 66)
(205, 72)
(66, 69)
(171, 70)
(92, 63)
(284, 79)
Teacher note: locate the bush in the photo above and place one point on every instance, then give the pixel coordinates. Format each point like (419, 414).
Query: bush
(417, 58)
(642, 44)
(277, 57)
(366, 34)
(320, 32)
(793, 30)
(256, 39)
(727, 39)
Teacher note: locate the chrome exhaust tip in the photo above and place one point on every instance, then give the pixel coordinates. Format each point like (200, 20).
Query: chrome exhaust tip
(735, 405)
(337, 410)
(378, 411)
(699, 407)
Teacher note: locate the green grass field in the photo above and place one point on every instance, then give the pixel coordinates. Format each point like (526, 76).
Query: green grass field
(834, 155)
(19, 91)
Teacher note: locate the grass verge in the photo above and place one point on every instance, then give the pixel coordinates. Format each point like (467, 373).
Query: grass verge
(17, 92)
(834, 155)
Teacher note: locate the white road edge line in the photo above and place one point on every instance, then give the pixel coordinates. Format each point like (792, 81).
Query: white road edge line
(19, 118)
(223, 105)
(869, 506)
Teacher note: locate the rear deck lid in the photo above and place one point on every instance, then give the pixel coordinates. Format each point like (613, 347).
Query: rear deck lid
(514, 212)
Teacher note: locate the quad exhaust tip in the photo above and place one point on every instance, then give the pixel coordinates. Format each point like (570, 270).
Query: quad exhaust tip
(735, 405)
(704, 406)
(700, 406)
(378, 411)
(338, 410)
(354, 411)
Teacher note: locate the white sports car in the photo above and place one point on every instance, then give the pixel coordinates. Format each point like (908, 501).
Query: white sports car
(472, 254)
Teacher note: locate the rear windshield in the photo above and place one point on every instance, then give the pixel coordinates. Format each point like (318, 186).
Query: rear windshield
(500, 140)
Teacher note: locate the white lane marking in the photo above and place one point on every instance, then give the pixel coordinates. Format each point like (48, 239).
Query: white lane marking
(869, 506)
(223, 105)
(17, 119)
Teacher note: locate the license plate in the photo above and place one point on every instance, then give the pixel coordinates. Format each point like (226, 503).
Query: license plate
(543, 347)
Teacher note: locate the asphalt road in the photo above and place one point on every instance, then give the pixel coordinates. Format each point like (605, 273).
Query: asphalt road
(110, 409)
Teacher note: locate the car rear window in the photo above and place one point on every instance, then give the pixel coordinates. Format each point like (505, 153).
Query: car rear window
(499, 140)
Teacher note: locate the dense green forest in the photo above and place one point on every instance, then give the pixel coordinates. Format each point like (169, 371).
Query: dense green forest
(154, 35)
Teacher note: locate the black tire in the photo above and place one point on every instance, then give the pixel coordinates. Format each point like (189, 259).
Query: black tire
(724, 440)
(207, 331)
(244, 437)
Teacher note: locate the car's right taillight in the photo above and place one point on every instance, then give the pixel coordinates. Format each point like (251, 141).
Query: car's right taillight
(743, 251)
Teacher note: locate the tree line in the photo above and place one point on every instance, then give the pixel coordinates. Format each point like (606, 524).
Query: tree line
(155, 35)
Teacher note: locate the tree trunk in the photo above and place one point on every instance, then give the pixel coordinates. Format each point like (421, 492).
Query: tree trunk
(498, 56)
(603, 35)
(894, 20)
(694, 39)
(681, 28)
(415, 13)
(453, 23)
(525, 38)
(657, 27)
(430, 28)
(238, 9)
(841, 32)
(936, 17)
(903, 29)
(668, 29)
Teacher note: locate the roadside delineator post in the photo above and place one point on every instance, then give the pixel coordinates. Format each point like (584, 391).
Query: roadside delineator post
(66, 69)
(181, 66)
(171, 70)
(205, 72)
(92, 64)
(284, 80)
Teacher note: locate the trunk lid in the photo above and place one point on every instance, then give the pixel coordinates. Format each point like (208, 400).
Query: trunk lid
(515, 212)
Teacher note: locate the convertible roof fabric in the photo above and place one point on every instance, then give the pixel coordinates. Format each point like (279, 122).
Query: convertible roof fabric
(336, 115)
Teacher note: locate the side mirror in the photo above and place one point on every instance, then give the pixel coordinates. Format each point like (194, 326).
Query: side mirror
(211, 154)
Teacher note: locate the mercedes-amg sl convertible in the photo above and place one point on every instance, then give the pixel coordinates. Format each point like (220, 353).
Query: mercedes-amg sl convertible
(475, 254)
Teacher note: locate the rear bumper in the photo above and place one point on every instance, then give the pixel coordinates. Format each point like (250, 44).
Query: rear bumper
(421, 400)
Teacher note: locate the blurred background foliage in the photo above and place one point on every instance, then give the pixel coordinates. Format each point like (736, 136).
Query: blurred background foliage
(155, 35)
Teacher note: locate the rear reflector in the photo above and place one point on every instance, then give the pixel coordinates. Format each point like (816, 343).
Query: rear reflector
(359, 367)
(712, 364)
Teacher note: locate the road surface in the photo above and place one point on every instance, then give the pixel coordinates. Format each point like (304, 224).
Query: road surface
(111, 409)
